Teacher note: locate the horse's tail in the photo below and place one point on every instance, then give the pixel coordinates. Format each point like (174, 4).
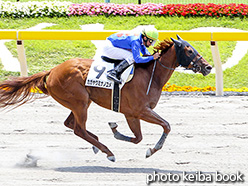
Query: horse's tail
(19, 90)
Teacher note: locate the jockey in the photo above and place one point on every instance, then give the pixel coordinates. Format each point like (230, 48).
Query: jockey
(129, 46)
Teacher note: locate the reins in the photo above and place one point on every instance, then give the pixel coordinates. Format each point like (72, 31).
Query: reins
(169, 68)
(150, 82)
(164, 65)
(153, 70)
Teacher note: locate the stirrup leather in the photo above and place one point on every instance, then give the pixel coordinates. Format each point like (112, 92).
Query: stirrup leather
(113, 76)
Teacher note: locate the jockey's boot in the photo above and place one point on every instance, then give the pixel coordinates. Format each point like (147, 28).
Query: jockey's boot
(115, 73)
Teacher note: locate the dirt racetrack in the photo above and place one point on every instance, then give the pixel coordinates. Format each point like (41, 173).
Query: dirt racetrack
(209, 134)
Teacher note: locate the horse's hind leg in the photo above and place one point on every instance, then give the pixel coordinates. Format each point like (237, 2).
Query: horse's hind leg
(80, 114)
(69, 122)
(76, 98)
(134, 125)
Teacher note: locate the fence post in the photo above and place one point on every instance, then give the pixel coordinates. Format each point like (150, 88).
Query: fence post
(22, 58)
(218, 69)
(107, 1)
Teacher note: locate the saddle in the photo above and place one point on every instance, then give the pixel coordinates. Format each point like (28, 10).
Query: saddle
(110, 60)
(97, 77)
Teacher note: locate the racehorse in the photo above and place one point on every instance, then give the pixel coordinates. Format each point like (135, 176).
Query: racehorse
(66, 84)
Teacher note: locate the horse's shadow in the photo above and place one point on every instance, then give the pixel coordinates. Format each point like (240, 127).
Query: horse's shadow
(101, 169)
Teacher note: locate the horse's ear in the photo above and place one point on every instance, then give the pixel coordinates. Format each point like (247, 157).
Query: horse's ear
(178, 37)
(178, 43)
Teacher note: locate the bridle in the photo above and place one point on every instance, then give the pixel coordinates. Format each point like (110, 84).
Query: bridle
(195, 68)
(181, 60)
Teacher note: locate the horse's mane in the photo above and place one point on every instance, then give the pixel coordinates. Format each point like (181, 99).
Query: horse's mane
(164, 45)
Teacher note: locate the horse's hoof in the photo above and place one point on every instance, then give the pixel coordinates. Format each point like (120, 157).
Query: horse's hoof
(95, 149)
(30, 161)
(113, 125)
(111, 158)
(148, 153)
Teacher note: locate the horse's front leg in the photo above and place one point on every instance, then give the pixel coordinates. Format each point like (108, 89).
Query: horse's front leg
(134, 125)
(152, 117)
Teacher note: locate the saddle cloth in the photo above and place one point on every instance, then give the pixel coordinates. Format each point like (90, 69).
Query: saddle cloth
(97, 76)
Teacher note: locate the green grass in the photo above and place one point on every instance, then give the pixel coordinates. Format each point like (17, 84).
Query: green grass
(44, 55)
(237, 76)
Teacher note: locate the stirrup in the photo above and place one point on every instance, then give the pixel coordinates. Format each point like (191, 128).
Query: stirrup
(114, 78)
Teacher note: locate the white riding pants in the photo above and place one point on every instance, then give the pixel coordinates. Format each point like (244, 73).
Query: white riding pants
(113, 52)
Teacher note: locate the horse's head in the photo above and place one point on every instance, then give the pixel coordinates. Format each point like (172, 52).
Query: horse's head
(189, 58)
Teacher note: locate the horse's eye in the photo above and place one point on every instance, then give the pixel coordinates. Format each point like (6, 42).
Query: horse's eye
(190, 51)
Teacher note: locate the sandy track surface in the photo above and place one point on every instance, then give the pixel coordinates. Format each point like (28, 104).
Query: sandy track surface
(208, 134)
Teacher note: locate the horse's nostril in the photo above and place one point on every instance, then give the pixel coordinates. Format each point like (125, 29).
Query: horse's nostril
(208, 68)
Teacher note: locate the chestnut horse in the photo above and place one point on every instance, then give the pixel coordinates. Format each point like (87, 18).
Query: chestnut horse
(66, 84)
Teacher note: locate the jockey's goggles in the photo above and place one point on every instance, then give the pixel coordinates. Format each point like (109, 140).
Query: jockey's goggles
(151, 41)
